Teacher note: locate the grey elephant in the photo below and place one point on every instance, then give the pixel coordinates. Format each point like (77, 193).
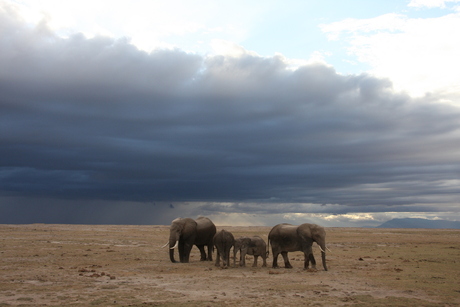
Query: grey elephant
(186, 232)
(286, 238)
(254, 245)
(223, 241)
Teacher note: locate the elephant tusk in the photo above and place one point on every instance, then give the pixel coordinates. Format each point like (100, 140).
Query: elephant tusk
(165, 245)
(328, 249)
(321, 249)
(177, 243)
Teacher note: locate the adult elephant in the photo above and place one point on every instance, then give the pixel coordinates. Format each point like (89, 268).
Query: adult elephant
(186, 232)
(286, 238)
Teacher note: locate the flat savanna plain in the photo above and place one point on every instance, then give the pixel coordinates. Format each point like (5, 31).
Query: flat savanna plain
(117, 265)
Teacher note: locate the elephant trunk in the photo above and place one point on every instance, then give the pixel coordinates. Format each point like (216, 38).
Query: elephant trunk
(173, 243)
(323, 257)
(171, 256)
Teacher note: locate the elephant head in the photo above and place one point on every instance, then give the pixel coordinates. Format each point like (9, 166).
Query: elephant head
(316, 234)
(241, 245)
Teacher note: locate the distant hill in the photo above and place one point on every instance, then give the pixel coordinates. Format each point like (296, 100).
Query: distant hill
(420, 223)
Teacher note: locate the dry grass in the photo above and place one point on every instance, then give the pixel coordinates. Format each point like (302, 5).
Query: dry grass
(81, 265)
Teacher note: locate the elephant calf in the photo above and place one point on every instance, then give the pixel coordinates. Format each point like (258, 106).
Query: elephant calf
(254, 245)
(223, 241)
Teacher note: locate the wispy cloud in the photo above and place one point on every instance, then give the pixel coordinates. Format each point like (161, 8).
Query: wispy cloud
(430, 3)
(418, 54)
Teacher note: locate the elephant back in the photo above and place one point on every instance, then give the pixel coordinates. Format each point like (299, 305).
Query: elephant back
(256, 241)
(224, 237)
(205, 230)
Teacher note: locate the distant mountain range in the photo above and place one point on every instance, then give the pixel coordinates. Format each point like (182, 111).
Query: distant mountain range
(420, 223)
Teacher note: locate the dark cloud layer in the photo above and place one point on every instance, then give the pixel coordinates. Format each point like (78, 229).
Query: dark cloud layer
(97, 119)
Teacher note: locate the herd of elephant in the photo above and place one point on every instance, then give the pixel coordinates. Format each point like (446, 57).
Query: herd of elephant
(283, 238)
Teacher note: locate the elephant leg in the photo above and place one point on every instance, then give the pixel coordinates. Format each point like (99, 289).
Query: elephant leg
(227, 256)
(287, 264)
(255, 261)
(242, 259)
(210, 248)
(264, 263)
(187, 249)
(275, 259)
(306, 261)
(308, 252)
(313, 261)
(202, 252)
(218, 258)
(224, 257)
(227, 259)
(181, 251)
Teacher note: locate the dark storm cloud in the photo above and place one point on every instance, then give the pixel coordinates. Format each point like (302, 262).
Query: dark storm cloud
(98, 119)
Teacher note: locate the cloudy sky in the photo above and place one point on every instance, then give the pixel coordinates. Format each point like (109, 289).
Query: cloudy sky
(341, 113)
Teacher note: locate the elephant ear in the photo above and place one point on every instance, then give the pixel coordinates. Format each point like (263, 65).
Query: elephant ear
(189, 227)
(177, 224)
(245, 243)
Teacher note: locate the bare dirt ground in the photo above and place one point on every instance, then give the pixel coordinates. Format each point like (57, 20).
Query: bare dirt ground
(81, 265)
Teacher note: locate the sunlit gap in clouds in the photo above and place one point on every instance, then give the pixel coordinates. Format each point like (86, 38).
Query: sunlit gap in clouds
(270, 214)
(327, 220)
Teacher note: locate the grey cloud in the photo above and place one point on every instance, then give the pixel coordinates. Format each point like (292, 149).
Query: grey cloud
(24, 210)
(86, 119)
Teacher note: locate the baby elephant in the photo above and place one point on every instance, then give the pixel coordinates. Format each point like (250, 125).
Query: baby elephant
(255, 246)
(223, 241)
